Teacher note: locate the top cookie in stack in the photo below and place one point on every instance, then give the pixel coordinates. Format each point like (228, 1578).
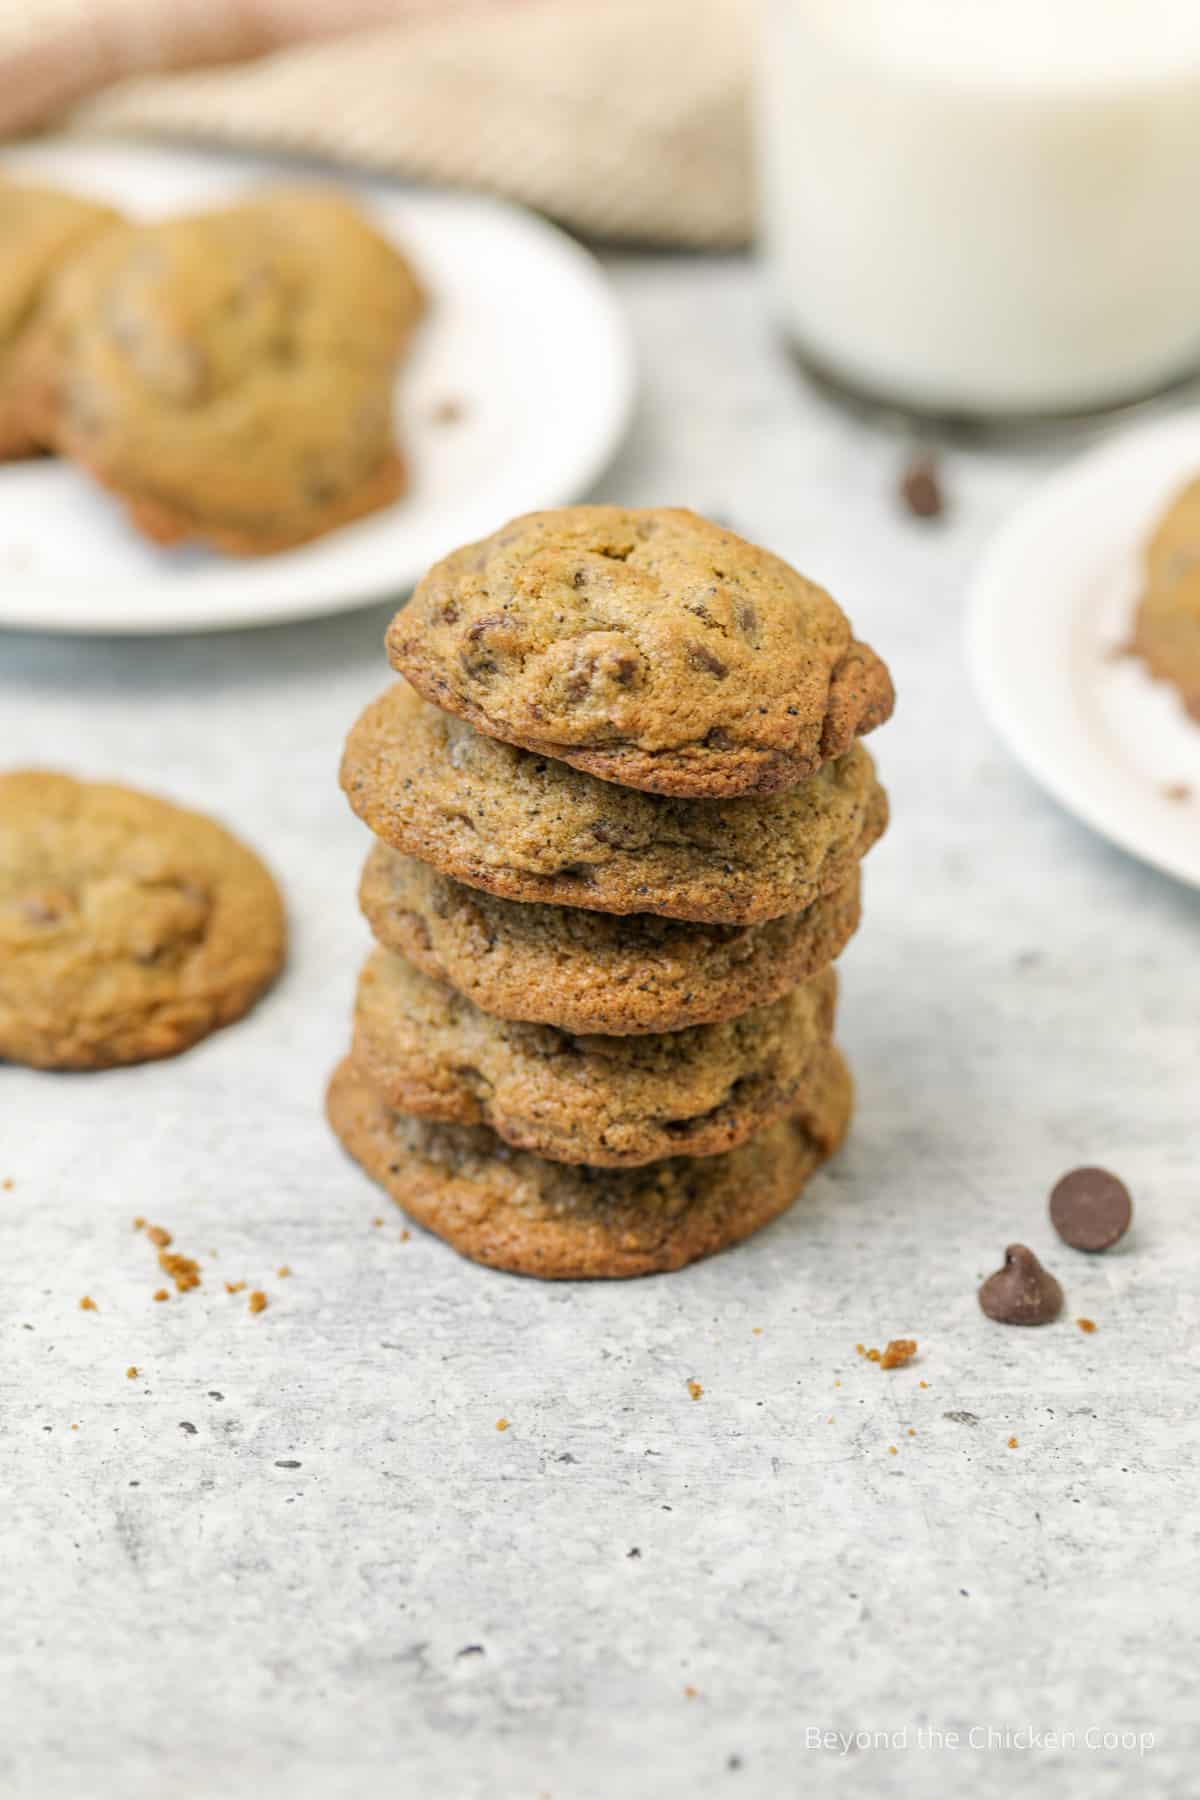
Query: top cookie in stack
(615, 862)
(651, 648)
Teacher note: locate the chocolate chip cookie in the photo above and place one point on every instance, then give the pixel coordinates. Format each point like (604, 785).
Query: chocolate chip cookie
(40, 228)
(229, 374)
(129, 928)
(594, 972)
(1166, 632)
(510, 1209)
(527, 827)
(610, 1101)
(649, 647)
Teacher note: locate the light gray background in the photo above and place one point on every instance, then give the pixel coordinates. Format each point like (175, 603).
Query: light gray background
(186, 1614)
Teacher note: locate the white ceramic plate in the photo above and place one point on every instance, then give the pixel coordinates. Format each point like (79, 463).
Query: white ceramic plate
(524, 339)
(1051, 603)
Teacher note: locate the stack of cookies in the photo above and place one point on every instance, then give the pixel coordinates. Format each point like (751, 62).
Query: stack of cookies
(617, 856)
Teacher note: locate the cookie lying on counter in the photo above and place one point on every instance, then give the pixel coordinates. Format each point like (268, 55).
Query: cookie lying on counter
(129, 928)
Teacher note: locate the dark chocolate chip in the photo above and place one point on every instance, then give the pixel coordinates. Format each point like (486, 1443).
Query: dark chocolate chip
(488, 623)
(1022, 1292)
(1090, 1209)
(701, 657)
(920, 489)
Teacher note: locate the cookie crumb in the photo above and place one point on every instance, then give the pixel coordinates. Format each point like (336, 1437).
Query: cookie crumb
(1177, 790)
(257, 1301)
(1012, 1443)
(160, 1294)
(132, 1372)
(923, 1384)
(377, 1222)
(892, 1450)
(874, 1356)
(158, 1235)
(184, 1272)
(898, 1352)
(1086, 1324)
(694, 1389)
(87, 1304)
(234, 1287)
(501, 1424)
(8, 1184)
(911, 1432)
(858, 1350)
(921, 488)
(139, 1224)
(405, 1235)
(283, 1271)
(450, 411)
(690, 1692)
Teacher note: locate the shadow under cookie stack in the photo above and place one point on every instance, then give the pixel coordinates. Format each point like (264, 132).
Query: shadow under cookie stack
(620, 807)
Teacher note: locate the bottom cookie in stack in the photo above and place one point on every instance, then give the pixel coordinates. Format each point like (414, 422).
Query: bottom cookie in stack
(513, 1210)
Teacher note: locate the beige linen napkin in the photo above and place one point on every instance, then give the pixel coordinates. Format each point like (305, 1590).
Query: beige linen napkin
(624, 118)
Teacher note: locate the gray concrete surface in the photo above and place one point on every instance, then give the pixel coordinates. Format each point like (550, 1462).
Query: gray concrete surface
(296, 1558)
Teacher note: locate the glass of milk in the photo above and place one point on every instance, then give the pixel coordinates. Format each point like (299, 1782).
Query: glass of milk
(986, 207)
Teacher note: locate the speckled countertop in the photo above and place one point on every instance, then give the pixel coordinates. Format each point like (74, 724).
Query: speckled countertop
(296, 1558)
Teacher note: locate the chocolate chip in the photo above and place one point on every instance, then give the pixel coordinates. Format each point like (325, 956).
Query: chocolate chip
(1022, 1292)
(920, 489)
(1090, 1209)
(488, 623)
(43, 910)
(701, 657)
(746, 617)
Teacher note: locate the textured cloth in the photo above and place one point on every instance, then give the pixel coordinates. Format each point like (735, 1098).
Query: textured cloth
(623, 118)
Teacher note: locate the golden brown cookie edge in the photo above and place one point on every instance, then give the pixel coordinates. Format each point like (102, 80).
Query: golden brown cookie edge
(549, 1249)
(807, 943)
